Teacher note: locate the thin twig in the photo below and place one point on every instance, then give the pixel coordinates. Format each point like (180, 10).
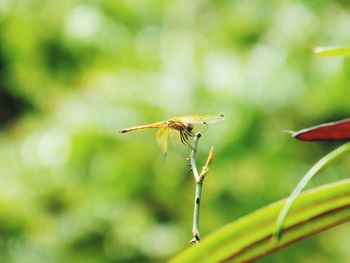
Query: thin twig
(197, 201)
(193, 156)
(199, 178)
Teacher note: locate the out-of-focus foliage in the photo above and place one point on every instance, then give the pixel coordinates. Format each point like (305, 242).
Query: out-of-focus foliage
(72, 73)
(333, 51)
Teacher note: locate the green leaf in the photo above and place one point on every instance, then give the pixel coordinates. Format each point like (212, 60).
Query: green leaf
(333, 51)
(321, 164)
(251, 236)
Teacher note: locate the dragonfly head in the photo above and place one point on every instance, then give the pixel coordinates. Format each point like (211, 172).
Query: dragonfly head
(188, 127)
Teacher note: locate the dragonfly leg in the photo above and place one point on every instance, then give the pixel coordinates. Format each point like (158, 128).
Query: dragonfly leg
(189, 133)
(184, 138)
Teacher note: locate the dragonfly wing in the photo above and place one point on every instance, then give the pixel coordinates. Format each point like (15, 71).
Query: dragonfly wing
(141, 127)
(339, 130)
(162, 139)
(201, 119)
(174, 136)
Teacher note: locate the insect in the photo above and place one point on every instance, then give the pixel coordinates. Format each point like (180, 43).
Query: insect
(338, 130)
(182, 125)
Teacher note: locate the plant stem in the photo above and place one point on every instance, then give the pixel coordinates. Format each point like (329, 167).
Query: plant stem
(322, 163)
(199, 178)
(198, 193)
(197, 201)
(193, 156)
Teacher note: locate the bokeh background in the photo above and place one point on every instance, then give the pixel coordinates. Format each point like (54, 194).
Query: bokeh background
(73, 73)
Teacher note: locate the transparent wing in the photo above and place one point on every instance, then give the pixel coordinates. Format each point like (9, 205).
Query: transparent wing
(162, 139)
(201, 119)
(145, 126)
(174, 136)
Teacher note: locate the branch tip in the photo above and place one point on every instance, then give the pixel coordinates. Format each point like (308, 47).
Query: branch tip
(210, 156)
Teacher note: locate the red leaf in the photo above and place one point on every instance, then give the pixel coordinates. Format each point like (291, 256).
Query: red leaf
(339, 130)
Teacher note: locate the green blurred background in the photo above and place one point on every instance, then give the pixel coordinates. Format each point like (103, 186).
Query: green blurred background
(73, 73)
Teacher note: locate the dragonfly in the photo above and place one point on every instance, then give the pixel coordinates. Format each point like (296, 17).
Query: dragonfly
(338, 130)
(183, 126)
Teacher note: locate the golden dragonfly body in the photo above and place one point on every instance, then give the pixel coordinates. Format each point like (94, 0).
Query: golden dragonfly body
(183, 125)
